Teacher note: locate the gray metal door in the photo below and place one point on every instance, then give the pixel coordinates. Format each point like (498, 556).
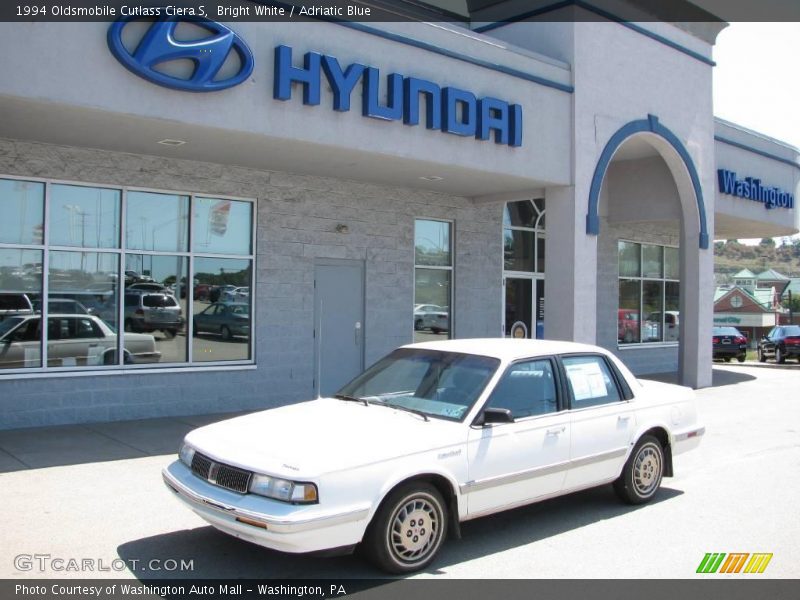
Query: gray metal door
(338, 323)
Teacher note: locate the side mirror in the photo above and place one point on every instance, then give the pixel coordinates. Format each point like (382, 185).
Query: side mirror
(494, 415)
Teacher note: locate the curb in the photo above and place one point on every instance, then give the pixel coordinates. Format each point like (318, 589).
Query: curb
(760, 365)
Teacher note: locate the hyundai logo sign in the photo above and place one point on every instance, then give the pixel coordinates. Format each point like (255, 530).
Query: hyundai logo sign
(159, 46)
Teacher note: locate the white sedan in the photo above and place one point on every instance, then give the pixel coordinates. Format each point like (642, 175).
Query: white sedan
(432, 435)
(72, 340)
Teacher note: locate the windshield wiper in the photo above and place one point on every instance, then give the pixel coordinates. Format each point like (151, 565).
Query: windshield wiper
(399, 407)
(351, 399)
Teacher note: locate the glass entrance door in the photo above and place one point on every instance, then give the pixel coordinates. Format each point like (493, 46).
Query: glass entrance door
(524, 307)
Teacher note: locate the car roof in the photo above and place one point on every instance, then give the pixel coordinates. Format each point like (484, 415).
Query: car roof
(508, 348)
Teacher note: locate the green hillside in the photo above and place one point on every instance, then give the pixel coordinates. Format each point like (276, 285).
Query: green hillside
(731, 257)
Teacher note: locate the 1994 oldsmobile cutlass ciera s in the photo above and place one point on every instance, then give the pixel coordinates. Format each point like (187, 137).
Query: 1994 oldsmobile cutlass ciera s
(432, 435)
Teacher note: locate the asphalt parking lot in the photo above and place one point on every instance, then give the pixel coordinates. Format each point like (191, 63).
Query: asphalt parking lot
(95, 492)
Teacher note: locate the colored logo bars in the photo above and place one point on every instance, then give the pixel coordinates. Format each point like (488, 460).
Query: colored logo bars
(735, 562)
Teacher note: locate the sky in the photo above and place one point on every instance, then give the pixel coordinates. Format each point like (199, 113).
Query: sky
(755, 81)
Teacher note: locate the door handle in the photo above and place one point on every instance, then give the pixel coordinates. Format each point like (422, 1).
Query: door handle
(624, 418)
(556, 430)
(356, 332)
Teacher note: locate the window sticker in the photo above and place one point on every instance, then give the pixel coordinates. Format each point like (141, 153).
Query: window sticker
(587, 380)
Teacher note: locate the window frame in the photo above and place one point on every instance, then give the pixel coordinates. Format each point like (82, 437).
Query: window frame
(120, 251)
(663, 280)
(451, 268)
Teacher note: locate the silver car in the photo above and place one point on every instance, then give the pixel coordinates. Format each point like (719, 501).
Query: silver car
(153, 311)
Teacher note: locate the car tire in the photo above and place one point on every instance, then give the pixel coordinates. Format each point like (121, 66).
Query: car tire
(408, 529)
(761, 357)
(641, 476)
(741, 358)
(418, 325)
(727, 359)
(194, 329)
(779, 357)
(129, 327)
(226, 333)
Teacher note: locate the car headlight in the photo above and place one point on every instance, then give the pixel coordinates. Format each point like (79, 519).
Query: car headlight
(186, 454)
(283, 489)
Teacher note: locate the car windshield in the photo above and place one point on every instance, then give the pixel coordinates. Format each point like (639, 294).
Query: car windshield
(726, 331)
(439, 384)
(8, 324)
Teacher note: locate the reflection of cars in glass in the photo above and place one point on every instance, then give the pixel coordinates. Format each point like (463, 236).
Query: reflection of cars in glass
(63, 306)
(431, 316)
(627, 325)
(74, 340)
(780, 343)
(235, 294)
(672, 322)
(226, 319)
(202, 291)
(14, 304)
(147, 287)
(135, 277)
(729, 343)
(151, 312)
(443, 423)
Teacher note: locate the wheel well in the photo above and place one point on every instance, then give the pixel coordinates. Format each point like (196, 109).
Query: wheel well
(445, 488)
(662, 436)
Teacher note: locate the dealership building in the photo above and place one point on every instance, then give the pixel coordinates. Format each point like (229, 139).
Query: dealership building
(340, 189)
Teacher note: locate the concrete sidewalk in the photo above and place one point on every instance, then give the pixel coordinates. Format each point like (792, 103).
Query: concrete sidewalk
(62, 445)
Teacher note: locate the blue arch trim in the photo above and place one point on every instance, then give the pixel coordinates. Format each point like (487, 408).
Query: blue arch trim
(650, 125)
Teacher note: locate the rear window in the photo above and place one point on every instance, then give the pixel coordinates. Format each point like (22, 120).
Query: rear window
(793, 330)
(158, 301)
(726, 331)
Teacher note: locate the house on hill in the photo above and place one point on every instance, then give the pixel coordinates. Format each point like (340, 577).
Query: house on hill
(752, 304)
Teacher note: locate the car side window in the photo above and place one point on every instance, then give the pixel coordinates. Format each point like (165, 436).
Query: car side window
(527, 389)
(85, 328)
(590, 381)
(27, 332)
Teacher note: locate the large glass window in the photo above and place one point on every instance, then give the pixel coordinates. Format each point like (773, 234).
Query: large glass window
(22, 205)
(112, 274)
(221, 306)
(523, 268)
(433, 279)
(85, 217)
(649, 294)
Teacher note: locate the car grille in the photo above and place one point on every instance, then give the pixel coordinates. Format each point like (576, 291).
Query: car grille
(231, 478)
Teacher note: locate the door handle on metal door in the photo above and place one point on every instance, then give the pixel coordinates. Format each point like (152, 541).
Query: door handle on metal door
(356, 332)
(556, 430)
(624, 418)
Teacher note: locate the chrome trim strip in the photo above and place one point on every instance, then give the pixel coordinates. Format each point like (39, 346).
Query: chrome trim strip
(527, 501)
(475, 486)
(682, 437)
(273, 524)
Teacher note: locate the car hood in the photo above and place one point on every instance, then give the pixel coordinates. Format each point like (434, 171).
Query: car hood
(309, 439)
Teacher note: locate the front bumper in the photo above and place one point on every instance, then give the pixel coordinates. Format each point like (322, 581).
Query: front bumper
(270, 523)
